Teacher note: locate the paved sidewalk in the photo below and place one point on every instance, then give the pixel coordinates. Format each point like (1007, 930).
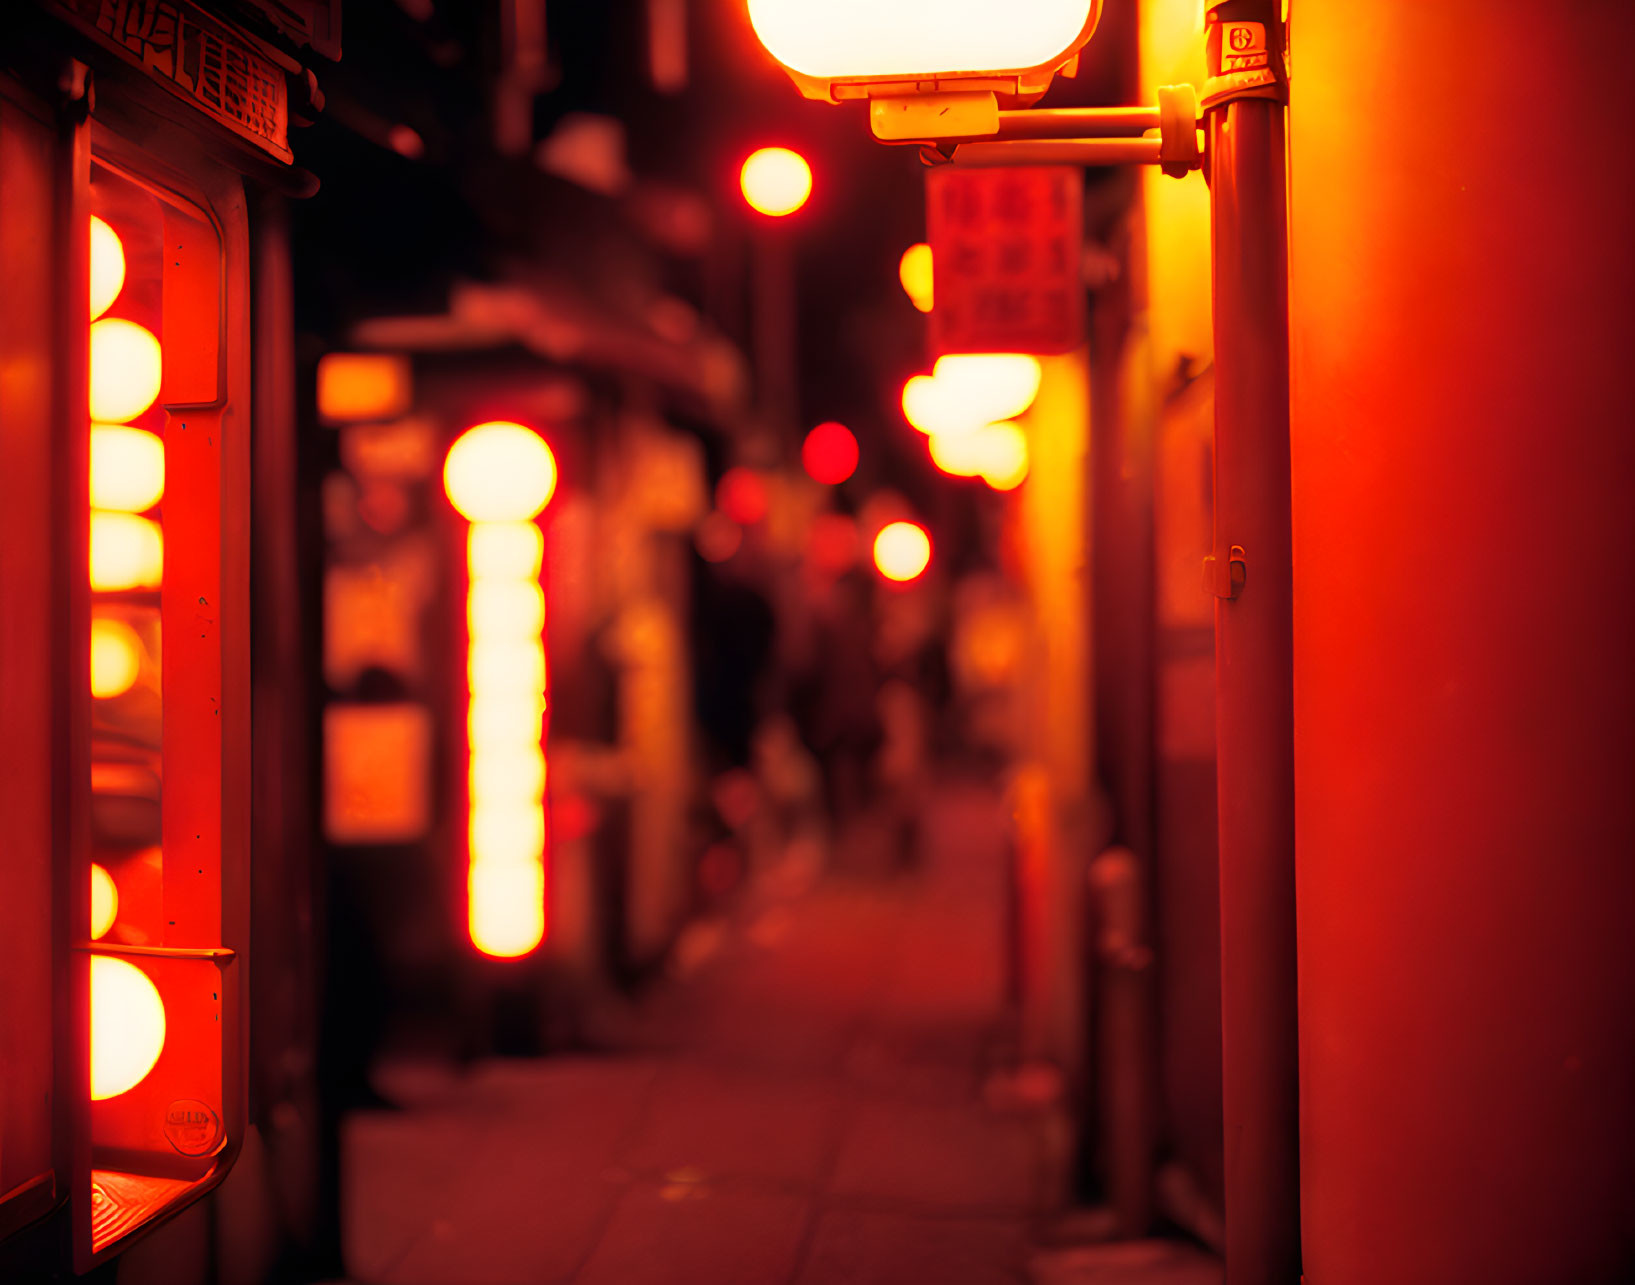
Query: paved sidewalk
(805, 1107)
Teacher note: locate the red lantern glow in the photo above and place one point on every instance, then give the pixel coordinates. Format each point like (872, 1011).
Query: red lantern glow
(829, 454)
(741, 495)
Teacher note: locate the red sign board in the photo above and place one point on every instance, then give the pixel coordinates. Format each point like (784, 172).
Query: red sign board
(1006, 259)
(204, 61)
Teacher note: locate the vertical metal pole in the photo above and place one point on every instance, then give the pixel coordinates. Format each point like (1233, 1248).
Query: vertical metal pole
(1254, 673)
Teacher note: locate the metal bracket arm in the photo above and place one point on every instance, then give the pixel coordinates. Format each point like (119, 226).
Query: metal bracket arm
(970, 129)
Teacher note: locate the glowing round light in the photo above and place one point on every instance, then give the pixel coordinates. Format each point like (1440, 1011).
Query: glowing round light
(914, 271)
(127, 468)
(116, 657)
(506, 907)
(127, 1026)
(931, 407)
(902, 551)
(741, 495)
(832, 542)
(127, 552)
(499, 472)
(918, 39)
(1005, 456)
(959, 454)
(104, 901)
(776, 181)
(995, 385)
(505, 609)
(717, 537)
(504, 551)
(126, 370)
(829, 454)
(107, 267)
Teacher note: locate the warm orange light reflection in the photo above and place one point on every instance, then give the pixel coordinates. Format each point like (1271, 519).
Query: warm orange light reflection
(504, 551)
(850, 39)
(499, 472)
(914, 271)
(506, 910)
(127, 552)
(127, 1026)
(776, 181)
(902, 551)
(116, 657)
(126, 370)
(107, 267)
(127, 468)
(104, 901)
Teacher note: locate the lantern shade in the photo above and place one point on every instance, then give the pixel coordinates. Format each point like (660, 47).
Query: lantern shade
(827, 45)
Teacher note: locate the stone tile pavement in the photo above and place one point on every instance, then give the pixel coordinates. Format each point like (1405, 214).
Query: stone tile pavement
(804, 1107)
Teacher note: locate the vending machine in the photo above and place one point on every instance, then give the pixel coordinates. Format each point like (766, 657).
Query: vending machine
(136, 137)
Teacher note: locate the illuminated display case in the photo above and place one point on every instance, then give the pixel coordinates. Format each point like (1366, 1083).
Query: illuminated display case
(125, 446)
(168, 748)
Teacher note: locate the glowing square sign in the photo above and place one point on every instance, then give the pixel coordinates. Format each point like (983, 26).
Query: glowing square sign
(1007, 255)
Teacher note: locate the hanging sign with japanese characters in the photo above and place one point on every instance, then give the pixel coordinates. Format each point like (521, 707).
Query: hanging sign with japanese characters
(1006, 259)
(206, 62)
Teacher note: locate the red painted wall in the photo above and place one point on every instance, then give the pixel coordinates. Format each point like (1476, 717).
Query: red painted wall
(1463, 283)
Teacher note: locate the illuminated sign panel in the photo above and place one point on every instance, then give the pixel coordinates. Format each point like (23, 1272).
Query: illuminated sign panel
(826, 44)
(1007, 259)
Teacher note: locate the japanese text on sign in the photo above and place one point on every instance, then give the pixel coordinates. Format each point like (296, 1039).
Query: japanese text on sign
(198, 58)
(1006, 253)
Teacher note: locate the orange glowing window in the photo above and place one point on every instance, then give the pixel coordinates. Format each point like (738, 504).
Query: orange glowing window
(914, 272)
(127, 552)
(845, 40)
(776, 181)
(902, 551)
(360, 386)
(127, 468)
(126, 370)
(127, 1026)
